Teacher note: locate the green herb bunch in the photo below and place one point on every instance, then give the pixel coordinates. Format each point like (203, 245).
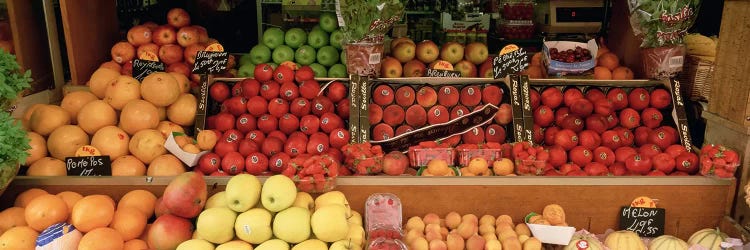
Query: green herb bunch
(359, 15)
(12, 80)
(13, 140)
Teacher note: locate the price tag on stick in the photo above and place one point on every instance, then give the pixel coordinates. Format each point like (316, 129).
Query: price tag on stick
(88, 162)
(212, 60)
(646, 222)
(511, 60)
(143, 68)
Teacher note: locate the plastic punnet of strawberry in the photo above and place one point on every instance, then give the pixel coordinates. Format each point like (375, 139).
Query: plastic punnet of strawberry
(530, 160)
(718, 161)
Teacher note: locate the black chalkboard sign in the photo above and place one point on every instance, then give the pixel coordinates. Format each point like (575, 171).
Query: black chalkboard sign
(510, 62)
(210, 62)
(443, 73)
(88, 166)
(647, 222)
(143, 68)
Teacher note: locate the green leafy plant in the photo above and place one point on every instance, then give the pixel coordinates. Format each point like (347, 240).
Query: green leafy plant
(662, 22)
(13, 140)
(367, 19)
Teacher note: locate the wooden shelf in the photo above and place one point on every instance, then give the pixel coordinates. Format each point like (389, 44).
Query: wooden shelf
(592, 203)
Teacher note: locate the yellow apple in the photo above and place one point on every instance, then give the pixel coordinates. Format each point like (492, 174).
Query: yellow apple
(304, 200)
(242, 192)
(356, 235)
(292, 225)
(274, 244)
(344, 245)
(312, 244)
(217, 200)
(195, 245)
(216, 225)
(329, 223)
(332, 197)
(278, 193)
(493, 245)
(254, 226)
(355, 218)
(235, 245)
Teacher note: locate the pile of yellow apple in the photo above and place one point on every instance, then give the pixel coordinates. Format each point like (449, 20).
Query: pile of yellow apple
(468, 232)
(274, 216)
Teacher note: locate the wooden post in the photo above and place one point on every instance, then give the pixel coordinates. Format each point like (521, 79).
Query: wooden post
(90, 31)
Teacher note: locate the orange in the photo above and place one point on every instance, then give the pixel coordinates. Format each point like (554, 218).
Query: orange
(602, 73)
(139, 199)
(129, 222)
(128, 165)
(92, 212)
(609, 60)
(536, 60)
(70, 198)
(103, 238)
(503, 167)
(19, 238)
(136, 244)
(144, 235)
(12, 217)
(28, 195)
(602, 50)
(534, 72)
(44, 211)
(622, 73)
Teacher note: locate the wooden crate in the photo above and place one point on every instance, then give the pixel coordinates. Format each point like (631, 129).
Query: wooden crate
(30, 42)
(90, 31)
(692, 203)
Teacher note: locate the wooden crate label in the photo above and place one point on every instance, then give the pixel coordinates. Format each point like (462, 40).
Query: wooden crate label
(443, 73)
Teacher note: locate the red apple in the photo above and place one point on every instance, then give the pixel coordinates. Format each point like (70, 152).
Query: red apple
(178, 18)
(164, 34)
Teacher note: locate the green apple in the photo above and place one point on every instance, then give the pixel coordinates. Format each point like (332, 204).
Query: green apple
(246, 59)
(337, 38)
(329, 223)
(273, 65)
(304, 200)
(356, 234)
(337, 71)
(195, 244)
(295, 37)
(247, 70)
(331, 198)
(278, 193)
(282, 54)
(317, 38)
(311, 244)
(305, 55)
(216, 225)
(217, 200)
(273, 37)
(328, 56)
(328, 21)
(242, 192)
(316, 27)
(275, 244)
(254, 226)
(260, 54)
(355, 218)
(319, 70)
(292, 225)
(235, 245)
(344, 245)
(343, 56)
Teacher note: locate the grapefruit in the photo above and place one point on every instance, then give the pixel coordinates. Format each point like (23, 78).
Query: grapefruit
(160, 88)
(47, 166)
(147, 144)
(123, 90)
(183, 110)
(182, 81)
(138, 115)
(38, 148)
(165, 165)
(47, 118)
(166, 128)
(128, 165)
(102, 78)
(74, 101)
(96, 115)
(112, 141)
(65, 140)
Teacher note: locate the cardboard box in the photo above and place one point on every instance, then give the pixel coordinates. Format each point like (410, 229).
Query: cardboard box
(558, 68)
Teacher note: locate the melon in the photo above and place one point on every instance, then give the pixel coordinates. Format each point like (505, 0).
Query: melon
(624, 240)
(581, 241)
(138, 115)
(112, 141)
(47, 166)
(102, 78)
(146, 145)
(38, 148)
(165, 165)
(65, 140)
(96, 115)
(74, 101)
(166, 128)
(183, 110)
(122, 91)
(667, 242)
(160, 88)
(128, 165)
(182, 81)
(47, 118)
(709, 238)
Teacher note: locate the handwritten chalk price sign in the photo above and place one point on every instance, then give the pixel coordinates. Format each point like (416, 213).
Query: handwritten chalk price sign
(443, 73)
(511, 60)
(210, 62)
(88, 166)
(143, 68)
(646, 222)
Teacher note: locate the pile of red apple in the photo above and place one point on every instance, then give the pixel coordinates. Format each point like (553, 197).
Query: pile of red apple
(399, 108)
(619, 131)
(175, 44)
(280, 114)
(410, 59)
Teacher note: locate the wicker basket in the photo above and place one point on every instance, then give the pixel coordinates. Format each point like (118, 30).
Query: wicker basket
(696, 78)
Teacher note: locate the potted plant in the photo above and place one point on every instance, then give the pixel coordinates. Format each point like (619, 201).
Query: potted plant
(13, 140)
(364, 25)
